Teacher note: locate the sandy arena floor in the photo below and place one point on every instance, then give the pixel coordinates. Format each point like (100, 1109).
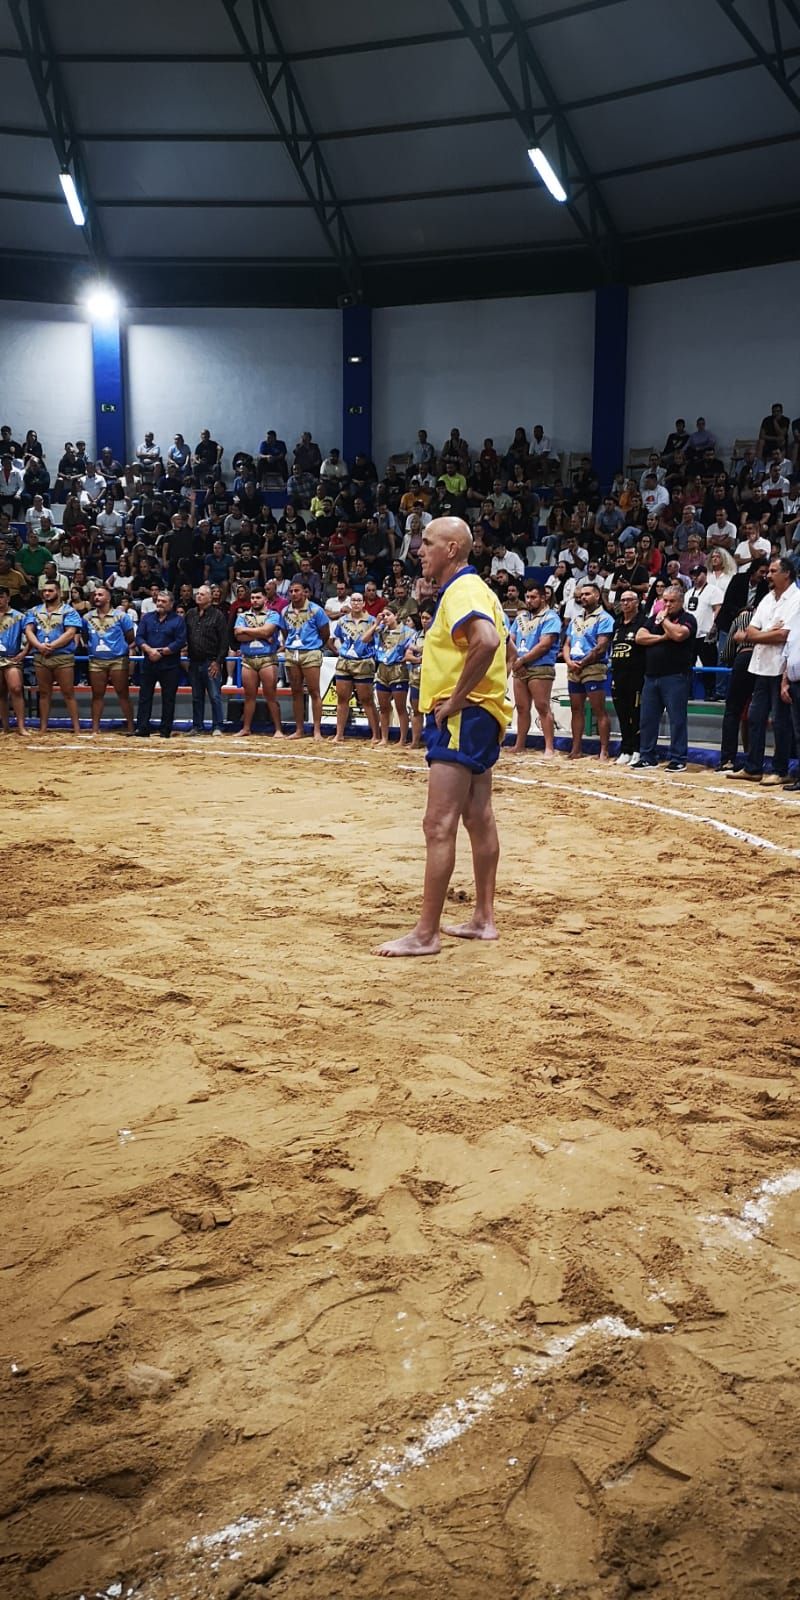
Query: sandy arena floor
(465, 1279)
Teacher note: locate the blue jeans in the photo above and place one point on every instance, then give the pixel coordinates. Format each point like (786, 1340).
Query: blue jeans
(669, 693)
(766, 703)
(201, 681)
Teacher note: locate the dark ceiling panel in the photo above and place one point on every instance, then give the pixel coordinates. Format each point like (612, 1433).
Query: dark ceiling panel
(209, 171)
(752, 181)
(202, 95)
(440, 82)
(445, 158)
(18, 102)
(612, 49)
(490, 223)
(351, 21)
(683, 120)
(27, 226)
(147, 25)
(233, 234)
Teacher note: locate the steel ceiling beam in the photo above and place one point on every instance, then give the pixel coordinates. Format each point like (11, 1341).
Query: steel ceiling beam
(285, 106)
(43, 65)
(468, 191)
(585, 202)
(773, 60)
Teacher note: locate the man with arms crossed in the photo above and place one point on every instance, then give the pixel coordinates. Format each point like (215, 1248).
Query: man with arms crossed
(257, 634)
(535, 637)
(51, 629)
(463, 693)
(307, 631)
(109, 634)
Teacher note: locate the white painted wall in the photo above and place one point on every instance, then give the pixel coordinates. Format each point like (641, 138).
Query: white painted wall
(236, 372)
(46, 375)
(484, 366)
(723, 347)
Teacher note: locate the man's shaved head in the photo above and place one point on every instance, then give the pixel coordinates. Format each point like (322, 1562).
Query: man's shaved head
(446, 546)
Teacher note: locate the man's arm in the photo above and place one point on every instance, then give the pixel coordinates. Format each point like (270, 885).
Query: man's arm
(537, 650)
(676, 631)
(645, 637)
(482, 642)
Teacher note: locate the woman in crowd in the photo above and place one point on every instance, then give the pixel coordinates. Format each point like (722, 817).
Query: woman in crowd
(121, 580)
(654, 603)
(647, 552)
(557, 530)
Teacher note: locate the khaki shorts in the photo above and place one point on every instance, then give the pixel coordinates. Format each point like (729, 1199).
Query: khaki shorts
(64, 658)
(255, 663)
(303, 658)
(5, 666)
(358, 671)
(391, 677)
(538, 672)
(108, 664)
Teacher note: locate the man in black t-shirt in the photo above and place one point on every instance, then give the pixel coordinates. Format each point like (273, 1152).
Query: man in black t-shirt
(669, 651)
(632, 574)
(627, 675)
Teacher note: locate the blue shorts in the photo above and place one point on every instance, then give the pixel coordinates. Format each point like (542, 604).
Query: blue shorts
(472, 739)
(413, 694)
(589, 687)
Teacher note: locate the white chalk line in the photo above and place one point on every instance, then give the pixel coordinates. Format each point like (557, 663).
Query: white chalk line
(336, 1495)
(726, 828)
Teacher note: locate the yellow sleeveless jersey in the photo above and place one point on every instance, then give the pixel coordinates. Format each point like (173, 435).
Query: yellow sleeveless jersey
(445, 648)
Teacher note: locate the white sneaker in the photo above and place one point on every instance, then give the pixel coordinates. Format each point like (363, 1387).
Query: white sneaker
(622, 761)
(216, 733)
(635, 759)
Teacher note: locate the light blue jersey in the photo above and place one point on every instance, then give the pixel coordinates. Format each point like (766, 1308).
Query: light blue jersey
(110, 636)
(587, 632)
(304, 628)
(391, 644)
(11, 624)
(259, 619)
(528, 630)
(349, 635)
(49, 625)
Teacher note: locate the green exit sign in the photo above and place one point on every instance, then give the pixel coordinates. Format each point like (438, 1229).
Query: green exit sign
(355, 411)
(107, 405)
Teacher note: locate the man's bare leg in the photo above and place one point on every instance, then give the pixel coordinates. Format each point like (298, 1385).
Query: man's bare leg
(401, 710)
(44, 683)
(98, 687)
(541, 689)
(576, 711)
(298, 702)
(479, 821)
(65, 678)
(385, 714)
(269, 689)
(120, 683)
(250, 688)
(312, 682)
(597, 701)
(448, 791)
(522, 701)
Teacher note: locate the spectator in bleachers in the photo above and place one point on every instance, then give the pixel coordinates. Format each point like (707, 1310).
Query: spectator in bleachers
(698, 441)
(12, 577)
(676, 442)
(307, 455)
(689, 527)
(107, 466)
(455, 449)
(122, 577)
(423, 454)
(654, 495)
(9, 446)
(180, 455)
(647, 552)
(774, 431)
(505, 560)
(92, 490)
(722, 534)
(271, 461)
(539, 450)
(207, 454)
(334, 470)
(753, 543)
(12, 485)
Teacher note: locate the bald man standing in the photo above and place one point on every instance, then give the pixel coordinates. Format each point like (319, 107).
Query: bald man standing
(463, 691)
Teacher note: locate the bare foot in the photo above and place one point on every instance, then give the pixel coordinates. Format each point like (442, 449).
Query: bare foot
(242, 733)
(337, 740)
(24, 733)
(603, 755)
(317, 737)
(277, 733)
(548, 755)
(298, 735)
(410, 945)
(517, 750)
(574, 755)
(472, 930)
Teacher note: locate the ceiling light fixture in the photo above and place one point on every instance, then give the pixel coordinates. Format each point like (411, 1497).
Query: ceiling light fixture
(102, 303)
(71, 196)
(549, 178)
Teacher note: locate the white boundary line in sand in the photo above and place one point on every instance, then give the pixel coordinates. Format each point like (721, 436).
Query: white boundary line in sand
(336, 1495)
(740, 835)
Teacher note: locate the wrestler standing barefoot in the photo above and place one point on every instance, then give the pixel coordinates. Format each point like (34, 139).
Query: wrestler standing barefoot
(463, 693)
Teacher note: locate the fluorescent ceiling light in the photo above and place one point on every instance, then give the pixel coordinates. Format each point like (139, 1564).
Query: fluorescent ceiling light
(102, 303)
(547, 175)
(71, 196)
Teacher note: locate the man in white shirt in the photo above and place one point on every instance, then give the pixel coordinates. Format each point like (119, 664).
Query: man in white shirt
(704, 600)
(34, 514)
(721, 534)
(12, 483)
(66, 559)
(654, 469)
(339, 603)
(93, 486)
(149, 457)
(753, 544)
(654, 496)
(540, 443)
(790, 689)
(508, 561)
(769, 632)
(334, 469)
(775, 485)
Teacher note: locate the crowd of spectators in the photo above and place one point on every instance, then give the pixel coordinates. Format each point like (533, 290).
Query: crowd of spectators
(178, 518)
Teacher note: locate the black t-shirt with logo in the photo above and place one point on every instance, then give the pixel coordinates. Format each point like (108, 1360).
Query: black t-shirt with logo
(673, 655)
(627, 657)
